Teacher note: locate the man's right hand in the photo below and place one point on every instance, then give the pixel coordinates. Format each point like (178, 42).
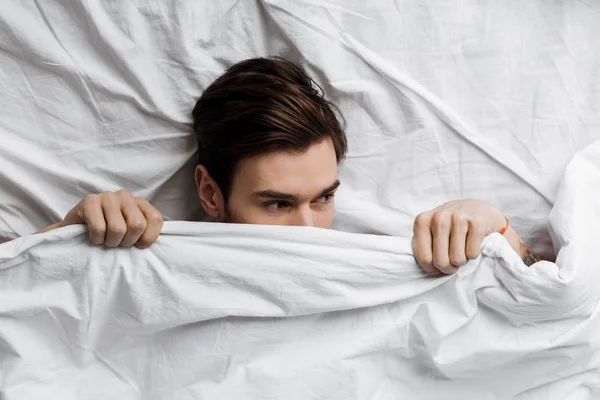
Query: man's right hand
(116, 219)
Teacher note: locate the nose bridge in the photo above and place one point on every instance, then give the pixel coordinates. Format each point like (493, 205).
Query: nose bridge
(304, 216)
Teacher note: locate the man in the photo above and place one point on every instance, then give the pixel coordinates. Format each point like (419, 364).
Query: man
(269, 145)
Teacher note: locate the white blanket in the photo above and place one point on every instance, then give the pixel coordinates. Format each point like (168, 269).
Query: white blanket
(215, 311)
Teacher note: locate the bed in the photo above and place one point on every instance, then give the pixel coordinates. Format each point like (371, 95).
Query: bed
(441, 100)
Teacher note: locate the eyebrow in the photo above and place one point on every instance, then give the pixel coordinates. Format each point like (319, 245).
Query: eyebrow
(273, 194)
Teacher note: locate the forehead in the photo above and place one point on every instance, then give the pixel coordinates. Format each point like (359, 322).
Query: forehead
(304, 173)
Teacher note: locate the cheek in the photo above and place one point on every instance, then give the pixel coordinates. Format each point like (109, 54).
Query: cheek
(324, 218)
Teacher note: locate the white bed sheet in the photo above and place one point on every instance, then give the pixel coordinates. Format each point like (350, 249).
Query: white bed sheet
(226, 311)
(443, 100)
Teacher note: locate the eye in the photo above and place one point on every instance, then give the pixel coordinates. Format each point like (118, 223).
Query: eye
(276, 205)
(326, 198)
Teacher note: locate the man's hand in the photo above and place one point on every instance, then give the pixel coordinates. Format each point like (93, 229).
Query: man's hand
(116, 218)
(446, 237)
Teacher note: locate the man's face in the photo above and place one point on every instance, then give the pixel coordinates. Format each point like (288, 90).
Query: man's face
(285, 188)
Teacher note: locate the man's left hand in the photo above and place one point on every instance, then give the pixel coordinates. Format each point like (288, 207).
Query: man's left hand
(446, 237)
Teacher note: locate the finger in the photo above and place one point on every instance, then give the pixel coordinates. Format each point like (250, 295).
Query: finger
(90, 213)
(458, 238)
(154, 223)
(424, 260)
(134, 219)
(435, 273)
(115, 223)
(421, 243)
(474, 238)
(440, 230)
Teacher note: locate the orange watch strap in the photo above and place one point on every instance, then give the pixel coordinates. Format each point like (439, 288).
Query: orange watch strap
(503, 230)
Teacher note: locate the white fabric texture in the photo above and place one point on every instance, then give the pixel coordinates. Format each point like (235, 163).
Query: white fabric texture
(443, 100)
(226, 311)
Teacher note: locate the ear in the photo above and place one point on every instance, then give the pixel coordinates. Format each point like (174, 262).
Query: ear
(210, 194)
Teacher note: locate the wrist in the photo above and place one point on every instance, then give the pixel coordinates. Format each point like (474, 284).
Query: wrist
(513, 238)
(500, 223)
(504, 229)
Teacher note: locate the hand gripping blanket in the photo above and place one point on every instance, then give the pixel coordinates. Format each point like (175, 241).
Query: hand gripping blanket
(216, 311)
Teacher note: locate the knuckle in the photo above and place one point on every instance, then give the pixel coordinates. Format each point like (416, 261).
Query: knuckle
(118, 230)
(460, 217)
(90, 199)
(422, 221)
(123, 193)
(441, 219)
(97, 230)
(109, 197)
(441, 263)
(137, 224)
(458, 260)
(156, 216)
(471, 254)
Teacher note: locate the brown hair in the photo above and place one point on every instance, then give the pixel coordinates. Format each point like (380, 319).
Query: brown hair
(259, 106)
